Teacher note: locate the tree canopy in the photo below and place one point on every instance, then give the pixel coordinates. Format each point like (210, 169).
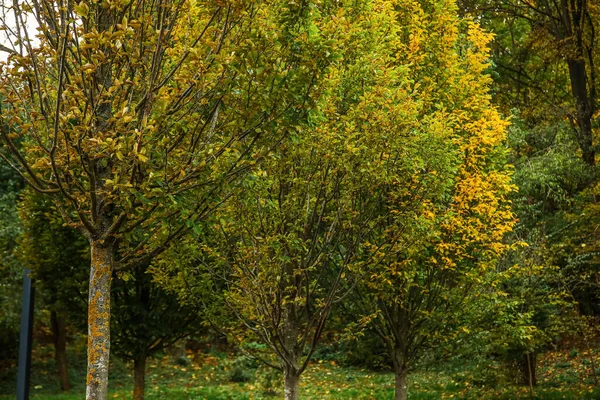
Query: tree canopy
(423, 172)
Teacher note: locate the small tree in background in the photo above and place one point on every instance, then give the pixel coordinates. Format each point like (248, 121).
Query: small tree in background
(147, 320)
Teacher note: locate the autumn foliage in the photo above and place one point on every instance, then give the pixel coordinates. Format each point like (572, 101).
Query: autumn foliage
(267, 163)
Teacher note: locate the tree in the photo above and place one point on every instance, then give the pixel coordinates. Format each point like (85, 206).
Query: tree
(452, 236)
(393, 181)
(297, 227)
(136, 117)
(147, 320)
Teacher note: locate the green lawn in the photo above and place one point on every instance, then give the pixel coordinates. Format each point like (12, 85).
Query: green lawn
(209, 376)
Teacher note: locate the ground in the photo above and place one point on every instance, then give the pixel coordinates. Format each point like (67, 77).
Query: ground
(216, 375)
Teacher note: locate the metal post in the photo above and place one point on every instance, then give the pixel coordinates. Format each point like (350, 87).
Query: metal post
(25, 339)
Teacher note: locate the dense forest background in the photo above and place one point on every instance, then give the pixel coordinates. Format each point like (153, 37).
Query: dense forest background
(329, 199)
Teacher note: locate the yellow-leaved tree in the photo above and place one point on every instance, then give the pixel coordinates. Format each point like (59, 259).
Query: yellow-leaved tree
(450, 242)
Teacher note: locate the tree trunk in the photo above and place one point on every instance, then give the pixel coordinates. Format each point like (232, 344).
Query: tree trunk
(401, 374)
(584, 103)
(139, 377)
(528, 369)
(58, 326)
(290, 290)
(292, 385)
(99, 321)
(401, 385)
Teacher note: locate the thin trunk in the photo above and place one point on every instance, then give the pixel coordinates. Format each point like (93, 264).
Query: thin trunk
(292, 385)
(530, 372)
(58, 326)
(401, 385)
(139, 377)
(99, 322)
(401, 374)
(290, 334)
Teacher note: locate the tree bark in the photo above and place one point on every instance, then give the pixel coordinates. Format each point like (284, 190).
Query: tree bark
(58, 326)
(401, 385)
(292, 385)
(401, 374)
(290, 333)
(99, 321)
(139, 377)
(584, 103)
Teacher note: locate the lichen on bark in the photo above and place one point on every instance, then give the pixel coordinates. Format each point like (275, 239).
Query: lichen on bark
(99, 322)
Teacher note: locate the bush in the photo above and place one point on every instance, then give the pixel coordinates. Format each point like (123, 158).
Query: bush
(573, 353)
(268, 380)
(182, 361)
(9, 340)
(242, 369)
(367, 352)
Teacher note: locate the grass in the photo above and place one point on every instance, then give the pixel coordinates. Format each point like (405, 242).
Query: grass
(208, 376)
